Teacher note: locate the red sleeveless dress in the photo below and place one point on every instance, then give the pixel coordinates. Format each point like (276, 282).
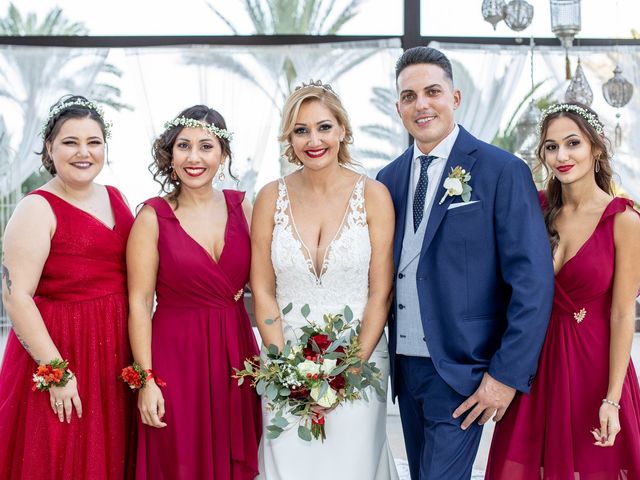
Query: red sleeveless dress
(82, 297)
(200, 332)
(546, 434)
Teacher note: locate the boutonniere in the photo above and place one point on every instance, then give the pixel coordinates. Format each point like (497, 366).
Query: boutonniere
(457, 183)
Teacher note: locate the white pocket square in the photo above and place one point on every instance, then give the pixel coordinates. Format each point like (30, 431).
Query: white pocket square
(461, 204)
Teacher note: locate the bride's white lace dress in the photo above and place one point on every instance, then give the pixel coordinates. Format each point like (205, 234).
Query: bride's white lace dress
(356, 446)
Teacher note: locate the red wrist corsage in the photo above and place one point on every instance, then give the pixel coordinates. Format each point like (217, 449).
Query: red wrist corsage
(52, 374)
(137, 377)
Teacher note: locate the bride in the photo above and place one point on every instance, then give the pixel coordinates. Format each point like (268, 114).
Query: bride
(323, 236)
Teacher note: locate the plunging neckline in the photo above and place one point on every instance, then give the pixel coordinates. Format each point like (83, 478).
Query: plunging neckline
(586, 242)
(308, 258)
(96, 219)
(224, 235)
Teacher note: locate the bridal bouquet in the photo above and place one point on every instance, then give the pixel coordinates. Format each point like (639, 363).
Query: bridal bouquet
(322, 369)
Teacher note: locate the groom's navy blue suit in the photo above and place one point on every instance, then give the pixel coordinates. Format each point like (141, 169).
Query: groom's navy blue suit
(485, 288)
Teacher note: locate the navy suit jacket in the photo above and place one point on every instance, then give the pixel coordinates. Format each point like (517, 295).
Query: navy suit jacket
(485, 274)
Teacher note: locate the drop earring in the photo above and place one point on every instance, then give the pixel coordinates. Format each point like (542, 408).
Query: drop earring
(221, 176)
(174, 175)
(597, 165)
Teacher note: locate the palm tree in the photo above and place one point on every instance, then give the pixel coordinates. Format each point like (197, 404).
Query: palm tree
(282, 69)
(27, 79)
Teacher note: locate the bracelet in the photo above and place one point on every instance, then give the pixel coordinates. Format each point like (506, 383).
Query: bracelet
(611, 402)
(53, 374)
(137, 377)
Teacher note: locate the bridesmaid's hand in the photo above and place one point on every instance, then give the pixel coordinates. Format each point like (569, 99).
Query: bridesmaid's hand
(609, 426)
(151, 405)
(64, 399)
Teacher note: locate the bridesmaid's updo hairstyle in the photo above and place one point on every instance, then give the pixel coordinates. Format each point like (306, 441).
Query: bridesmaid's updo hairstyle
(593, 130)
(69, 106)
(320, 92)
(162, 150)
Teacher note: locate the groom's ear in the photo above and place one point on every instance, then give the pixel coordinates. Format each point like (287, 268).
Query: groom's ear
(457, 98)
(398, 110)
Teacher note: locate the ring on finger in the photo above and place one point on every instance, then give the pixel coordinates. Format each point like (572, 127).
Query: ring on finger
(58, 404)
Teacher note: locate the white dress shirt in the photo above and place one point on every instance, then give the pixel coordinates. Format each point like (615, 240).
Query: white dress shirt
(435, 170)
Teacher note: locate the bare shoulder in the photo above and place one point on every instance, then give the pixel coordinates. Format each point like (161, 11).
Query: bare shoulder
(376, 193)
(267, 195)
(32, 212)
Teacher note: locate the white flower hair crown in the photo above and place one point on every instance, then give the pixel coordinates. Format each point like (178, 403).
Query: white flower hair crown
(569, 107)
(80, 103)
(193, 123)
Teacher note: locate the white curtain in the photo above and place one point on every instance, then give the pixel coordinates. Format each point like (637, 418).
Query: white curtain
(488, 76)
(31, 79)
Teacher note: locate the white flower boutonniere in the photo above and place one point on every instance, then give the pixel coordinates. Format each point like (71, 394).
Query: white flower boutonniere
(457, 183)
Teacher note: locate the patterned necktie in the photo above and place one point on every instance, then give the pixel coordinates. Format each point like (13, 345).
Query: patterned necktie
(421, 190)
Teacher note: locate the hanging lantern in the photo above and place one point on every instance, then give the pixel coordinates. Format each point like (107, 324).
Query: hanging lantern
(493, 11)
(527, 133)
(518, 14)
(579, 89)
(565, 24)
(617, 92)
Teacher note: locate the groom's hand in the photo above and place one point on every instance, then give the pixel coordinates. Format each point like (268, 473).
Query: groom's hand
(491, 398)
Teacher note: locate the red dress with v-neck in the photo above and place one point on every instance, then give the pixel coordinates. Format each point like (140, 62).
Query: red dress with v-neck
(200, 332)
(546, 434)
(82, 298)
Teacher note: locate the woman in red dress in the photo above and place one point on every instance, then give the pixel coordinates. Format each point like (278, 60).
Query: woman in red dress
(581, 419)
(192, 249)
(64, 287)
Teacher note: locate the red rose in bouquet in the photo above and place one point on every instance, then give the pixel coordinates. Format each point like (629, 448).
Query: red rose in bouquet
(299, 392)
(338, 382)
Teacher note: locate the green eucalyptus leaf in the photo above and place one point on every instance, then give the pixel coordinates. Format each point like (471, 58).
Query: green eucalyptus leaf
(304, 433)
(305, 310)
(287, 309)
(240, 381)
(284, 392)
(348, 314)
(260, 387)
(280, 422)
(272, 391)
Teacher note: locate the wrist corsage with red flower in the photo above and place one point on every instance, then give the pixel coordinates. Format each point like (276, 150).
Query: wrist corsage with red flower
(53, 374)
(137, 377)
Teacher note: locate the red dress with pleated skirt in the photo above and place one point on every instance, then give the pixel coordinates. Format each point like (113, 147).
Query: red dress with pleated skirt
(547, 433)
(200, 332)
(82, 297)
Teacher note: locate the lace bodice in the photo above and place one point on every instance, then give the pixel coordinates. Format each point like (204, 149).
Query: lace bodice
(343, 278)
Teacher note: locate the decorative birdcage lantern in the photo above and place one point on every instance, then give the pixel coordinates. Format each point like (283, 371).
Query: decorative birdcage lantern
(617, 92)
(565, 24)
(493, 11)
(579, 89)
(518, 14)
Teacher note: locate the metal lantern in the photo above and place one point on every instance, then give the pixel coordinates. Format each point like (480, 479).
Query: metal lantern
(527, 133)
(579, 89)
(493, 11)
(617, 92)
(565, 24)
(518, 14)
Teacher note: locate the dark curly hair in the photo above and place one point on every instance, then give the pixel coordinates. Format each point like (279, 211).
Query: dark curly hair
(55, 122)
(162, 150)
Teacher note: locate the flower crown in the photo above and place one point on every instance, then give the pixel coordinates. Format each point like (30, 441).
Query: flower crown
(80, 103)
(569, 107)
(317, 84)
(193, 123)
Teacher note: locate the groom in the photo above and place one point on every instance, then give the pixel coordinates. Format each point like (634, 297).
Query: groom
(474, 275)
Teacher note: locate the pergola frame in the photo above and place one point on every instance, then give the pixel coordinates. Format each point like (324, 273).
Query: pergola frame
(412, 37)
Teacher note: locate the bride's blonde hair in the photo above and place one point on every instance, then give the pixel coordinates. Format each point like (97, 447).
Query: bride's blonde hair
(321, 93)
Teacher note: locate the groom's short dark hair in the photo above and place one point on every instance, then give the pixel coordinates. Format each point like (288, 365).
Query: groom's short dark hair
(418, 55)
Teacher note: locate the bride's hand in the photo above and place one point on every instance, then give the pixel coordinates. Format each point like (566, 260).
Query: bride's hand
(319, 411)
